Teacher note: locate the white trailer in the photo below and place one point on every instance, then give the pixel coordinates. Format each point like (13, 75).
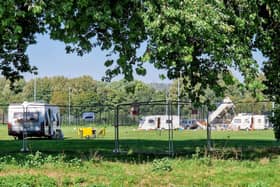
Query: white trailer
(34, 120)
(159, 122)
(250, 122)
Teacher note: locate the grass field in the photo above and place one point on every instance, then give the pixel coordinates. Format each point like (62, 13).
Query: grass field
(238, 158)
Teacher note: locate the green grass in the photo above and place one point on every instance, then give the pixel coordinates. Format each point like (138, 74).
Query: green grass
(145, 142)
(238, 158)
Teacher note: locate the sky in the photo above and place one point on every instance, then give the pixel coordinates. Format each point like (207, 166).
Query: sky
(50, 58)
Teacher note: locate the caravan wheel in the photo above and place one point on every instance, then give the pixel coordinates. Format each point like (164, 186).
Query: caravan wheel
(19, 137)
(58, 135)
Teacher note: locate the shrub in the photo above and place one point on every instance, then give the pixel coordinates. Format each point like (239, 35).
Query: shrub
(34, 160)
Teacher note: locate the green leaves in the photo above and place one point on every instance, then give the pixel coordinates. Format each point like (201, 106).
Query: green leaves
(203, 40)
(141, 71)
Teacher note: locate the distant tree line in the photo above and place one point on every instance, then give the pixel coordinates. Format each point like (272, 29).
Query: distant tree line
(85, 90)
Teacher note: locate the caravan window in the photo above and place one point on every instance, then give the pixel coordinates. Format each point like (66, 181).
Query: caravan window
(259, 120)
(169, 121)
(18, 115)
(29, 116)
(151, 121)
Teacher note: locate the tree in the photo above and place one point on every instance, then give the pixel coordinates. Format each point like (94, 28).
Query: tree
(201, 39)
(116, 26)
(268, 41)
(20, 21)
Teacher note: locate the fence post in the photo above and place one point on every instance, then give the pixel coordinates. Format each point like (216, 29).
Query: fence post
(116, 124)
(170, 129)
(208, 132)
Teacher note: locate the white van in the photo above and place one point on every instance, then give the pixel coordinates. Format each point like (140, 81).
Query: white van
(34, 120)
(250, 122)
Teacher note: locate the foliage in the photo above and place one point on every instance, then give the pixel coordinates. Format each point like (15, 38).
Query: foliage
(27, 180)
(87, 92)
(34, 160)
(202, 40)
(185, 172)
(20, 21)
(83, 91)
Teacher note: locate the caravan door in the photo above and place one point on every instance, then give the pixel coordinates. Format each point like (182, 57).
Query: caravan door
(50, 122)
(260, 122)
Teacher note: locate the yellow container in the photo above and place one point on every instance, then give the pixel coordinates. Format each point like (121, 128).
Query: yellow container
(86, 132)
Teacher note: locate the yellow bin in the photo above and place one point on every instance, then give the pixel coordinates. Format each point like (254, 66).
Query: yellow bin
(86, 132)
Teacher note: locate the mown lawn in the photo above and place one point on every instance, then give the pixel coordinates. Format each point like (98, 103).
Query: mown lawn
(238, 158)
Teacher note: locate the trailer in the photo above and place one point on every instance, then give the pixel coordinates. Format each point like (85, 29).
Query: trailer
(159, 122)
(31, 119)
(245, 121)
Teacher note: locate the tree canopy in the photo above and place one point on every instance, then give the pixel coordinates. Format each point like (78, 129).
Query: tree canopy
(201, 39)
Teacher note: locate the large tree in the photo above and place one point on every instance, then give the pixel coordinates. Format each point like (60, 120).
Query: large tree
(201, 39)
(20, 21)
(268, 41)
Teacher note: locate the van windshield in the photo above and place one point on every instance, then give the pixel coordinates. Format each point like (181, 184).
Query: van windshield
(29, 116)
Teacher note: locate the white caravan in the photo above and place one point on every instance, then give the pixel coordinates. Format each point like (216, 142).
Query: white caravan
(34, 119)
(159, 122)
(250, 122)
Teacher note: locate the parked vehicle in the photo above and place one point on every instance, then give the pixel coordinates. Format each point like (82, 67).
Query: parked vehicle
(34, 120)
(159, 122)
(189, 123)
(88, 116)
(250, 122)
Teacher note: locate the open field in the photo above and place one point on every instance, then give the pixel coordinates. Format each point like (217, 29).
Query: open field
(238, 159)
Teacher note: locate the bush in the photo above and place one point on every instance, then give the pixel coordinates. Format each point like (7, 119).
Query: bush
(34, 160)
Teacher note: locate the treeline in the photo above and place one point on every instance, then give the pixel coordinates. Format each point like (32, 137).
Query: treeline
(87, 91)
(82, 91)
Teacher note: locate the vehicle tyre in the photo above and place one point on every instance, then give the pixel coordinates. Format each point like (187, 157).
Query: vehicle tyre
(19, 137)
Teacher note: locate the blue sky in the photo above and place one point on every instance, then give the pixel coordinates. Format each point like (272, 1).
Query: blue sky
(51, 59)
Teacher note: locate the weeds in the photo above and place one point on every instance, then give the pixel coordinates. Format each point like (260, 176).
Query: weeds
(95, 158)
(34, 160)
(75, 163)
(27, 180)
(161, 165)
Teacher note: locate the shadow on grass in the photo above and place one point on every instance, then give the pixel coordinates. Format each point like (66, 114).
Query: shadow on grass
(142, 149)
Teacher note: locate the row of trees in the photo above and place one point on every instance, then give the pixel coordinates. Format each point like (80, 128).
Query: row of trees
(82, 91)
(86, 91)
